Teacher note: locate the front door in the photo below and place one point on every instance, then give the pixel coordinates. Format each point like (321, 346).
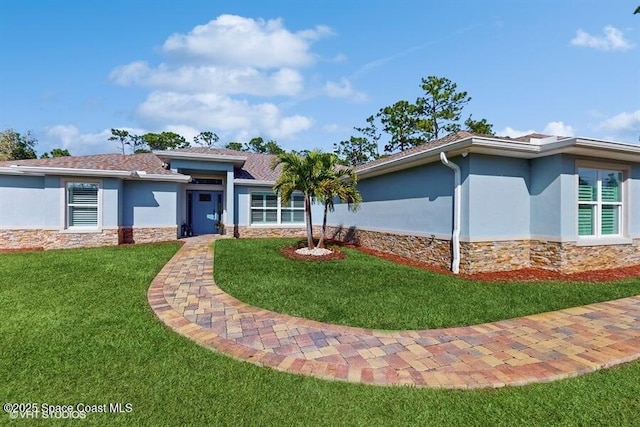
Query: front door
(204, 211)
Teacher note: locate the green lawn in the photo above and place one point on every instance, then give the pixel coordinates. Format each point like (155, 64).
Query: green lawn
(362, 290)
(76, 328)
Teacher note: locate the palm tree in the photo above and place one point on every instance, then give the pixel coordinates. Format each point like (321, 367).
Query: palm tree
(340, 183)
(303, 174)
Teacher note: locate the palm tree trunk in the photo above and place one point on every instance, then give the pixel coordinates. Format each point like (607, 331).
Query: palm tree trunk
(323, 232)
(307, 211)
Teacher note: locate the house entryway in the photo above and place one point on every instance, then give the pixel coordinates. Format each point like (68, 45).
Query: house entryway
(204, 211)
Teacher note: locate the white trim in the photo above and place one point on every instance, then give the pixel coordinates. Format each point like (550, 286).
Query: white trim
(278, 208)
(253, 182)
(64, 217)
(624, 204)
(143, 176)
(509, 148)
(181, 155)
(603, 241)
(101, 173)
(72, 171)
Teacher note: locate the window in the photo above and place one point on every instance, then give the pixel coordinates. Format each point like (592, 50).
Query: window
(206, 181)
(82, 204)
(600, 205)
(266, 208)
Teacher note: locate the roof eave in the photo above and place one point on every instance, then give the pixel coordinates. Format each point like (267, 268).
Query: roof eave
(137, 175)
(517, 149)
(143, 176)
(256, 182)
(43, 170)
(169, 155)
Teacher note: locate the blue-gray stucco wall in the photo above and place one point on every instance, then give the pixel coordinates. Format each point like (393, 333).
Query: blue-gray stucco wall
(241, 205)
(552, 189)
(150, 204)
(417, 200)
(496, 198)
(29, 202)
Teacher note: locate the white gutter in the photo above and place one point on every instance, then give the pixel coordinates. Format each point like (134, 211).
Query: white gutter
(144, 176)
(457, 196)
(181, 155)
(44, 170)
(239, 181)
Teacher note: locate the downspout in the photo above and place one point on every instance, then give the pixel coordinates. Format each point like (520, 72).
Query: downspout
(457, 195)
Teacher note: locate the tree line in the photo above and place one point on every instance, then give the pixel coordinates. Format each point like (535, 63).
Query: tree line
(407, 124)
(170, 140)
(396, 127)
(17, 146)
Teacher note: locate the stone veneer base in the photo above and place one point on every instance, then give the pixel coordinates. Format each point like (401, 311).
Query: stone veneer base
(425, 249)
(55, 239)
(477, 257)
(244, 231)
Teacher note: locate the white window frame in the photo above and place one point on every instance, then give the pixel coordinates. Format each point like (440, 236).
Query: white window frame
(66, 206)
(598, 237)
(278, 208)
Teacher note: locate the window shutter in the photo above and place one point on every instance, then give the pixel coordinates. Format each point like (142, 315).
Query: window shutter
(585, 220)
(83, 204)
(611, 187)
(609, 219)
(587, 185)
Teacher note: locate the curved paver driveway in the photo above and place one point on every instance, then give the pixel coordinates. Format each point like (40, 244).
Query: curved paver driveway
(538, 348)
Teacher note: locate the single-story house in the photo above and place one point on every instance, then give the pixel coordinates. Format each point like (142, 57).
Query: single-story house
(468, 202)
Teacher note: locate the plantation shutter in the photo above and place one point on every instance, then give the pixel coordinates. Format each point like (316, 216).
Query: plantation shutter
(587, 192)
(609, 219)
(83, 204)
(587, 185)
(611, 196)
(585, 220)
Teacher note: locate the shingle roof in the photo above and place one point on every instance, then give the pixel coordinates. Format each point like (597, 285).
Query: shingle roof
(448, 139)
(147, 162)
(257, 166)
(452, 137)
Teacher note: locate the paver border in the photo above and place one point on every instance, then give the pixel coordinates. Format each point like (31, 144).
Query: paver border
(531, 349)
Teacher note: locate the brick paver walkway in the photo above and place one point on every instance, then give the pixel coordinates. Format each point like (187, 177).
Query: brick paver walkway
(538, 348)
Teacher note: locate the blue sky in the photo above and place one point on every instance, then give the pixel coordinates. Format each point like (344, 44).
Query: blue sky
(306, 72)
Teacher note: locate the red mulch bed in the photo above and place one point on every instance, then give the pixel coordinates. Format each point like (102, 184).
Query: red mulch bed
(522, 275)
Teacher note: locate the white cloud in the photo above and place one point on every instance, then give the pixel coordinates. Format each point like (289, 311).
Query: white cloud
(69, 137)
(220, 113)
(613, 39)
(622, 127)
(238, 41)
(558, 129)
(513, 133)
(623, 122)
(552, 128)
(210, 75)
(344, 90)
(225, 80)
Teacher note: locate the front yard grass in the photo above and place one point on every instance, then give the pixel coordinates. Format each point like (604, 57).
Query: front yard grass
(75, 327)
(365, 291)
